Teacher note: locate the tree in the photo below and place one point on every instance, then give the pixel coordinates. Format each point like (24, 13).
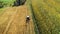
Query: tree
(19, 2)
(1, 4)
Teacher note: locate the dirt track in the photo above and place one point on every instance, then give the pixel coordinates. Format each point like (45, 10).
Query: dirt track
(13, 21)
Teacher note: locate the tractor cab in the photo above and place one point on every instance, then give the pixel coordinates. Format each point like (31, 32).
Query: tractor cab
(27, 19)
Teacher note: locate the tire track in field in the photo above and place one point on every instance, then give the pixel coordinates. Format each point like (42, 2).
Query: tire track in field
(7, 27)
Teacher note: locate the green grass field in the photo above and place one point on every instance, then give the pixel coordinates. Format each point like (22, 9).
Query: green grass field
(47, 15)
(6, 3)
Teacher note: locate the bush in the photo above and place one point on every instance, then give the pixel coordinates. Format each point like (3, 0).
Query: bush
(19, 2)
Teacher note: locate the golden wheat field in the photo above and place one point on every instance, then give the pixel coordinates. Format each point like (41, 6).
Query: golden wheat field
(13, 20)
